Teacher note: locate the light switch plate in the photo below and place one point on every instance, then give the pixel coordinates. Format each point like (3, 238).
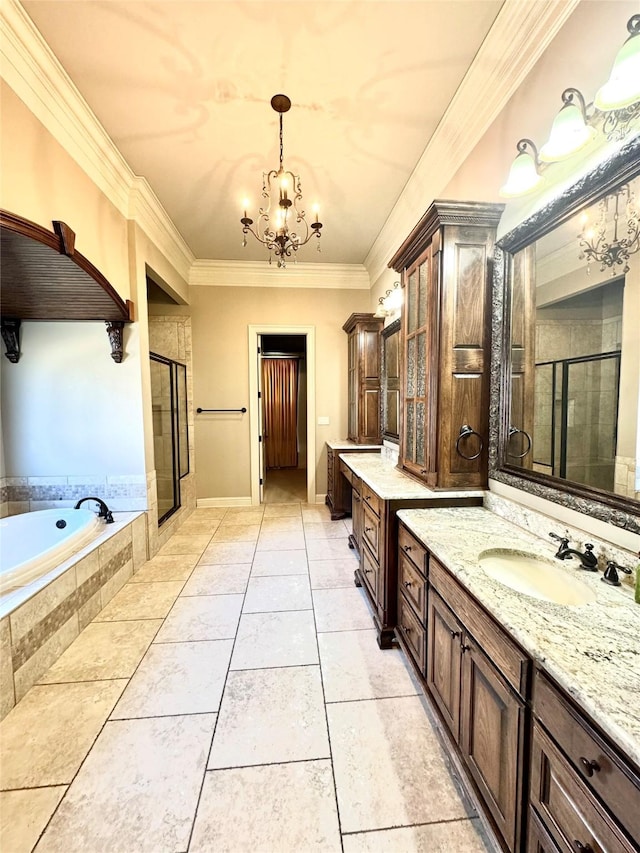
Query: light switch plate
(323, 420)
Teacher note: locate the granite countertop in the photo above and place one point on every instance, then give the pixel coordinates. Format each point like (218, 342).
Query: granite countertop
(591, 650)
(390, 484)
(347, 444)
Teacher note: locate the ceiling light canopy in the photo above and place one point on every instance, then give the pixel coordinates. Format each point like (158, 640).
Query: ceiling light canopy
(282, 226)
(622, 89)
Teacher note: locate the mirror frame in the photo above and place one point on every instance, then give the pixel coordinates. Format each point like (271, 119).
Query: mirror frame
(390, 330)
(621, 511)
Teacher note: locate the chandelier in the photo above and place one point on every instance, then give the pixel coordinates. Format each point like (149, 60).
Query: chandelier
(600, 242)
(282, 226)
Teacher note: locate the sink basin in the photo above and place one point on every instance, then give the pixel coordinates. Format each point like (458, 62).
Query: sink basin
(534, 576)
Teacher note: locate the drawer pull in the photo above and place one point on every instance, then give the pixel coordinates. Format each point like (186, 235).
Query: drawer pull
(407, 547)
(368, 529)
(584, 848)
(423, 470)
(457, 634)
(407, 584)
(589, 767)
(405, 629)
(465, 648)
(368, 571)
(367, 499)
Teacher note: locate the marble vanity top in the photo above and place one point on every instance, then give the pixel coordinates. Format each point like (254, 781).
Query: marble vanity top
(346, 444)
(390, 484)
(592, 650)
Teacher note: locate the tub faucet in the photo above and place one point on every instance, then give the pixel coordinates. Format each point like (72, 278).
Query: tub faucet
(588, 559)
(105, 512)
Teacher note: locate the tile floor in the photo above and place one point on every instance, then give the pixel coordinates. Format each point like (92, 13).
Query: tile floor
(232, 697)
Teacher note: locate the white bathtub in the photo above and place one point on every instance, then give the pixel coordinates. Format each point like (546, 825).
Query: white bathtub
(34, 542)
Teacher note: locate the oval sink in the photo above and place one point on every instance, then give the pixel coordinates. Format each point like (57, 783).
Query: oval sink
(534, 576)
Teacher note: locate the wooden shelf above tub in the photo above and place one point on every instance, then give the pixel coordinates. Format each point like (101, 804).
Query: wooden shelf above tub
(43, 277)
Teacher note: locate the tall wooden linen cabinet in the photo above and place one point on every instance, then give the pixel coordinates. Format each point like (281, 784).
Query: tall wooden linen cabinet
(363, 383)
(447, 268)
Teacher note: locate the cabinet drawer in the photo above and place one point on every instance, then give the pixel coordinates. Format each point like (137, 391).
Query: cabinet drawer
(371, 531)
(410, 546)
(570, 812)
(371, 499)
(370, 573)
(413, 585)
(615, 782)
(505, 654)
(412, 632)
(346, 471)
(538, 839)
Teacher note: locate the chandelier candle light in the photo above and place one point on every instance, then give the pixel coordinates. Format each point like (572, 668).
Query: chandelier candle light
(281, 212)
(598, 244)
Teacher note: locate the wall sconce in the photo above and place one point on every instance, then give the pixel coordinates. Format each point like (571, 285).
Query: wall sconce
(390, 302)
(569, 131)
(622, 89)
(523, 175)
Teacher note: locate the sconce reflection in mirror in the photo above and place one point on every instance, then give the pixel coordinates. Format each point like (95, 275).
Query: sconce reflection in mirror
(466, 431)
(599, 241)
(515, 431)
(391, 302)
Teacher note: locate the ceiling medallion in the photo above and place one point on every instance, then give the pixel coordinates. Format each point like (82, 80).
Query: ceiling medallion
(282, 226)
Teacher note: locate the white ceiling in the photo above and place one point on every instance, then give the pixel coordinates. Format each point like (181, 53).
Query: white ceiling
(183, 89)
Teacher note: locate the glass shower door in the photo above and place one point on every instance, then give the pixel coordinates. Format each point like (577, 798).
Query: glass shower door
(170, 437)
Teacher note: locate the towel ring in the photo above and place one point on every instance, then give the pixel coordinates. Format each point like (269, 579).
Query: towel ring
(514, 431)
(465, 432)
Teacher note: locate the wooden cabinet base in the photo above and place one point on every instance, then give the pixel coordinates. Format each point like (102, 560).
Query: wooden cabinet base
(386, 634)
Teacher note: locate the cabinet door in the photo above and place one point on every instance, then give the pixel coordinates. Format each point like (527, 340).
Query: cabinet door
(491, 732)
(352, 386)
(416, 318)
(443, 660)
(356, 519)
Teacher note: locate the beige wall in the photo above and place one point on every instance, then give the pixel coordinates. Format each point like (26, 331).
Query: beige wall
(220, 320)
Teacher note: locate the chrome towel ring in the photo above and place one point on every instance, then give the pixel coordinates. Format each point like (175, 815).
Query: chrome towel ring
(465, 432)
(514, 431)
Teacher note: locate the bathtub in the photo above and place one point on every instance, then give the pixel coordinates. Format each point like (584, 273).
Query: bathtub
(34, 542)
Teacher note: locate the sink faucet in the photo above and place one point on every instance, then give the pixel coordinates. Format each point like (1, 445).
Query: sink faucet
(588, 559)
(105, 512)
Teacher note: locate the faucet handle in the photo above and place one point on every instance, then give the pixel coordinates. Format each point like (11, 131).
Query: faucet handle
(614, 565)
(562, 539)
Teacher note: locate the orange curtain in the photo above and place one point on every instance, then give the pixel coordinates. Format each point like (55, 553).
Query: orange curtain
(280, 408)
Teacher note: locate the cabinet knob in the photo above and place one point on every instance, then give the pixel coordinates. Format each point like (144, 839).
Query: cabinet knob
(368, 571)
(584, 848)
(407, 547)
(356, 499)
(423, 470)
(405, 629)
(368, 529)
(589, 767)
(407, 584)
(457, 634)
(465, 647)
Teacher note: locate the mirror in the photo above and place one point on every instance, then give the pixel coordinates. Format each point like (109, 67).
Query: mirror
(390, 381)
(566, 387)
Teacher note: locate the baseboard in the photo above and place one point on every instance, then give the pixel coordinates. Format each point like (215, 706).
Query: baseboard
(320, 499)
(217, 502)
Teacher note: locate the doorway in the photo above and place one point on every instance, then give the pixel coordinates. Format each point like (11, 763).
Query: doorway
(282, 413)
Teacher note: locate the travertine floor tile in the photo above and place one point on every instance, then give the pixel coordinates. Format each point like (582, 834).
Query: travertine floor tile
(176, 567)
(277, 593)
(208, 512)
(340, 610)
(137, 790)
(228, 532)
(24, 814)
(330, 574)
(270, 716)
(280, 541)
(45, 738)
(223, 553)
(456, 835)
(177, 678)
(315, 512)
(217, 580)
(328, 549)
(104, 650)
(275, 639)
(204, 617)
(199, 526)
(384, 787)
(268, 563)
(141, 601)
(288, 808)
(181, 543)
(282, 524)
(324, 530)
(244, 515)
(354, 667)
(282, 511)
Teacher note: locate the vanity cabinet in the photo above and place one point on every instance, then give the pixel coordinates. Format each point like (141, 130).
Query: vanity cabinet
(338, 497)
(363, 382)
(478, 700)
(583, 792)
(446, 266)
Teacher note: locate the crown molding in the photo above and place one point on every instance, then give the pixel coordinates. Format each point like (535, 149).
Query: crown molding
(521, 32)
(261, 274)
(31, 69)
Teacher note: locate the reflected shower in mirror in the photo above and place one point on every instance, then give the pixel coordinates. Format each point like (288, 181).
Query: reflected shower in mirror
(575, 350)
